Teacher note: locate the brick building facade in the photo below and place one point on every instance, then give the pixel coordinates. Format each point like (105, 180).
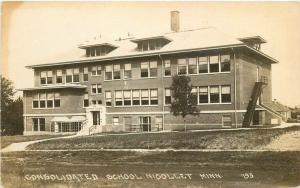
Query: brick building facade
(124, 85)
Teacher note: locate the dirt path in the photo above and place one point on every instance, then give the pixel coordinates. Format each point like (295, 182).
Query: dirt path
(287, 142)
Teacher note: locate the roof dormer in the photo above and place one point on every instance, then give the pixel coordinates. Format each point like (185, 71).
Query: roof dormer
(97, 49)
(151, 43)
(254, 42)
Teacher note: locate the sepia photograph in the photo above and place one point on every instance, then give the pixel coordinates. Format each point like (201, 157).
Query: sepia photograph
(152, 94)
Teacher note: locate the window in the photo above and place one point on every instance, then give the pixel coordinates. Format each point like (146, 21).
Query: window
(225, 63)
(42, 124)
(150, 45)
(203, 95)
(49, 77)
(145, 97)
(43, 77)
(88, 52)
(96, 89)
(69, 75)
(98, 51)
(167, 96)
(181, 66)
(99, 101)
(56, 100)
(99, 88)
(39, 124)
(153, 97)
(214, 94)
(116, 74)
(46, 77)
(35, 101)
(192, 62)
(194, 94)
(144, 69)
(136, 97)
(118, 98)
(59, 76)
(43, 100)
(76, 75)
(108, 98)
(167, 68)
(96, 70)
(225, 94)
(127, 98)
(50, 98)
(226, 121)
(115, 120)
(159, 123)
(85, 74)
(203, 65)
(214, 63)
(108, 72)
(153, 68)
(127, 71)
(85, 100)
(93, 52)
(94, 102)
(35, 124)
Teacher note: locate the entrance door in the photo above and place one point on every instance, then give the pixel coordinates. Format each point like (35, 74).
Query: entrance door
(256, 118)
(96, 117)
(128, 124)
(145, 123)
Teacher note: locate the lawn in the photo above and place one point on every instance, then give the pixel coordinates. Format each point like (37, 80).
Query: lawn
(7, 140)
(219, 139)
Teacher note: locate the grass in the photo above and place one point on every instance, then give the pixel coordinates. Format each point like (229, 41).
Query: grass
(220, 139)
(7, 140)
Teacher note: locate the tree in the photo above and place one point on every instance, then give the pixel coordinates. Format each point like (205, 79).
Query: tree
(11, 110)
(184, 101)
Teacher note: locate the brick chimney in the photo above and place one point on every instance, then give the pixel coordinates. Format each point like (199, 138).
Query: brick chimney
(175, 21)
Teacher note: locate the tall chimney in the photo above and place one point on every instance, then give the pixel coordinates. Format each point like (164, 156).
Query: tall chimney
(175, 21)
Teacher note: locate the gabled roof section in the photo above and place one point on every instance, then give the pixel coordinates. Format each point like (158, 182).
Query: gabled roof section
(183, 41)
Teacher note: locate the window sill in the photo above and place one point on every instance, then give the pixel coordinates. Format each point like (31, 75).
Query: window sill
(212, 103)
(45, 108)
(96, 75)
(136, 106)
(92, 94)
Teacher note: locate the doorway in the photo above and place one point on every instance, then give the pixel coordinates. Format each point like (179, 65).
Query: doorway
(145, 123)
(96, 117)
(255, 120)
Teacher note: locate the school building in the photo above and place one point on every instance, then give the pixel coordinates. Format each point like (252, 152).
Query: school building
(124, 84)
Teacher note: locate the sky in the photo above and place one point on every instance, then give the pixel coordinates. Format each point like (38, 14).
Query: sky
(34, 32)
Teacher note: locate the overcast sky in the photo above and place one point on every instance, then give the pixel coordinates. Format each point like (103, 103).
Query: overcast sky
(32, 33)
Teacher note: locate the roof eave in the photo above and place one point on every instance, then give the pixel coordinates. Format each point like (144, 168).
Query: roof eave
(133, 56)
(273, 60)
